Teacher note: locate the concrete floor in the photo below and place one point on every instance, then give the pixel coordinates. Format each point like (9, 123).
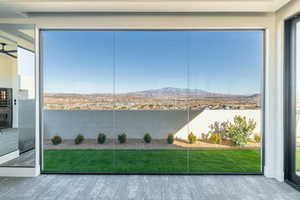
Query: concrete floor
(26, 159)
(123, 187)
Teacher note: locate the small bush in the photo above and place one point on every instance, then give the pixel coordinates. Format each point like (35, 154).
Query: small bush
(192, 138)
(147, 138)
(79, 139)
(170, 139)
(56, 140)
(122, 138)
(220, 128)
(257, 138)
(240, 130)
(101, 138)
(216, 138)
(205, 137)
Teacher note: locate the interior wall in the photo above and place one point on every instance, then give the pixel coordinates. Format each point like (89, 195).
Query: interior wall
(8, 78)
(6, 66)
(191, 21)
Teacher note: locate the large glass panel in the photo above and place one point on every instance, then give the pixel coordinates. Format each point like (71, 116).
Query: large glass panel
(151, 86)
(17, 95)
(166, 101)
(78, 101)
(225, 100)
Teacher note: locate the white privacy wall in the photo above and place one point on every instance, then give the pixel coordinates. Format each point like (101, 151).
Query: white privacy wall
(273, 132)
(200, 124)
(69, 123)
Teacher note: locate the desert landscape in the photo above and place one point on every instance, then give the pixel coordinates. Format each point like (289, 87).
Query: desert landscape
(157, 99)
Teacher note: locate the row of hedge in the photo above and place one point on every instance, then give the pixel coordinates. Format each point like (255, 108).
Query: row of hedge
(122, 138)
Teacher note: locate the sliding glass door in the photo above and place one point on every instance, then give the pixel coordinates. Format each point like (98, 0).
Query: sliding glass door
(292, 125)
(160, 101)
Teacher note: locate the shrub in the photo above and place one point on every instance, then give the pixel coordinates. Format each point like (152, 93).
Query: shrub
(122, 138)
(147, 138)
(205, 136)
(101, 138)
(192, 138)
(216, 138)
(257, 137)
(220, 128)
(79, 139)
(56, 140)
(170, 139)
(240, 130)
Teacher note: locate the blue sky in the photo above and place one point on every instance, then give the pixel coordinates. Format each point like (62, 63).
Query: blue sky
(216, 61)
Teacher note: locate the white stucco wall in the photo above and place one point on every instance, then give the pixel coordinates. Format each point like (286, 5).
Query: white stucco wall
(190, 21)
(200, 124)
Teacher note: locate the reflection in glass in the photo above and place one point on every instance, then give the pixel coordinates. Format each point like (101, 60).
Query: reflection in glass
(17, 96)
(26, 96)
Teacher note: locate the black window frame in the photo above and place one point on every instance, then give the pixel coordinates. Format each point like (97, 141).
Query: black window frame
(290, 101)
(262, 92)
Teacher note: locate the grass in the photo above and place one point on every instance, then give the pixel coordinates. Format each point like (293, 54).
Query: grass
(213, 160)
(298, 160)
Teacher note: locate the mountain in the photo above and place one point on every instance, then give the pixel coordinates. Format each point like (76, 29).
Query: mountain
(172, 90)
(192, 92)
(169, 91)
(253, 96)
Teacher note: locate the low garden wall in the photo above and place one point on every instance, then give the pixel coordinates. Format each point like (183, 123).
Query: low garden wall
(69, 123)
(200, 124)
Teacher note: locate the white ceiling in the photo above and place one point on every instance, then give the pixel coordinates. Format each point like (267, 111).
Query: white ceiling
(18, 34)
(24, 8)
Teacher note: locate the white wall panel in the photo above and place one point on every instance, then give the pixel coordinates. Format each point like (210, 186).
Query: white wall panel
(194, 21)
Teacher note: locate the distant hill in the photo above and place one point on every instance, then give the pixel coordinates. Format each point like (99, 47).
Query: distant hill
(167, 91)
(172, 90)
(253, 95)
(191, 92)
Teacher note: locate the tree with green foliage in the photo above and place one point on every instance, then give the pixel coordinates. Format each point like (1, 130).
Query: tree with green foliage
(240, 130)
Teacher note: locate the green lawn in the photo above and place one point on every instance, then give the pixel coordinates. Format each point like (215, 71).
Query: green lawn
(298, 160)
(215, 160)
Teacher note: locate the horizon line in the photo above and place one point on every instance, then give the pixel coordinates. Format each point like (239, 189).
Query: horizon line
(149, 90)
